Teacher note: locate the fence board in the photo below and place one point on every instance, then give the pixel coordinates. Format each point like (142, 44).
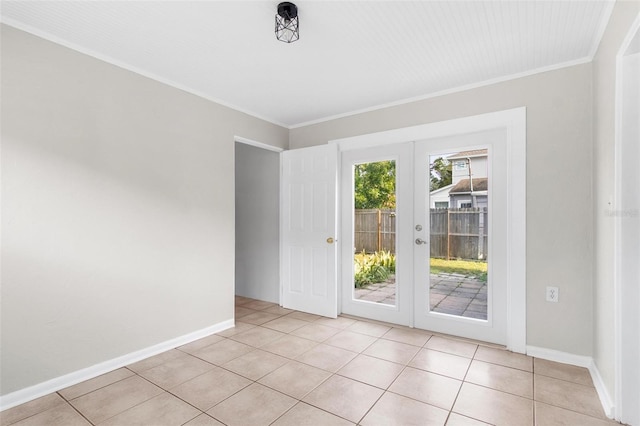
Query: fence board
(454, 233)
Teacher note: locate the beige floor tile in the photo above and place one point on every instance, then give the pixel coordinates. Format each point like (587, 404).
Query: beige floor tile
(111, 400)
(306, 415)
(295, 379)
(441, 363)
(289, 346)
(259, 305)
(257, 337)
(209, 389)
(505, 358)
(505, 379)
(304, 316)
(164, 409)
(90, 385)
(572, 396)
(410, 337)
(278, 310)
(451, 346)
(332, 395)
(398, 410)
(285, 324)
(222, 352)
(459, 420)
(354, 342)
(238, 328)
(327, 357)
(259, 317)
(369, 328)
(176, 371)
(241, 311)
(548, 415)
(196, 345)
(570, 373)
(493, 406)
(155, 360)
(372, 371)
(340, 322)
(204, 420)
(255, 364)
(316, 332)
(427, 387)
(60, 415)
(240, 300)
(389, 350)
(30, 408)
(254, 405)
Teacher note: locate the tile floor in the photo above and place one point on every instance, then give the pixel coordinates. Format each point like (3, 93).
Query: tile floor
(282, 367)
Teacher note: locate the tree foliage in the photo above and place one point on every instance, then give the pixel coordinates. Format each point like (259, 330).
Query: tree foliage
(375, 185)
(441, 173)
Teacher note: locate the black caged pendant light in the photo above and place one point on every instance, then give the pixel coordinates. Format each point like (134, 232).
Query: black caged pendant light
(287, 28)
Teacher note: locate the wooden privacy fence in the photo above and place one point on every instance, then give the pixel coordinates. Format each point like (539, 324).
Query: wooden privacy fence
(455, 233)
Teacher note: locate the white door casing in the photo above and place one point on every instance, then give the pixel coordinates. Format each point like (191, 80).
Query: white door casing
(308, 230)
(513, 122)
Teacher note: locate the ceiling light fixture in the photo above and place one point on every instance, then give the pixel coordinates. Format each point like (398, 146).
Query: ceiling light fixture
(287, 28)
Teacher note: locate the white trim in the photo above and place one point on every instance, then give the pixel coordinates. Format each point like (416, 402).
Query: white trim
(617, 270)
(257, 144)
(579, 361)
(108, 59)
(514, 120)
(36, 391)
(601, 28)
(446, 92)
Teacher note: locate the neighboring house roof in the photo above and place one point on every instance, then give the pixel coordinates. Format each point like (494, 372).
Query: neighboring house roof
(479, 184)
(468, 154)
(443, 189)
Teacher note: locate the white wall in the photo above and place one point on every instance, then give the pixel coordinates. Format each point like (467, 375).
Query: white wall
(604, 72)
(257, 223)
(559, 202)
(117, 210)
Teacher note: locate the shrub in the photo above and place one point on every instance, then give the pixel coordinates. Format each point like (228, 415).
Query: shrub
(373, 268)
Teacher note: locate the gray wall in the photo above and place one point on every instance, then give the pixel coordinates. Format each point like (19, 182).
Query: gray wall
(604, 72)
(117, 210)
(559, 197)
(257, 223)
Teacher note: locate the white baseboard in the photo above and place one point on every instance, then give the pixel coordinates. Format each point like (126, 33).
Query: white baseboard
(579, 361)
(41, 389)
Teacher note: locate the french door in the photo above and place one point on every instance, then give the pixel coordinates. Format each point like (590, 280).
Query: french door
(446, 265)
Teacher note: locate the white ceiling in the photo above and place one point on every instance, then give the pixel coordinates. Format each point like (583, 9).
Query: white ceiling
(351, 56)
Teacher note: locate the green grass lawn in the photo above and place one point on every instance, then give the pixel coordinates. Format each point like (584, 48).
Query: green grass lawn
(464, 267)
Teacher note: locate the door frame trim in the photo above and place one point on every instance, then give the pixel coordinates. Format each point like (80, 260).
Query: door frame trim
(622, 388)
(514, 121)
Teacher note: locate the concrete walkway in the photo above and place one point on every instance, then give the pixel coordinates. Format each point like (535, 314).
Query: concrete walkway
(451, 294)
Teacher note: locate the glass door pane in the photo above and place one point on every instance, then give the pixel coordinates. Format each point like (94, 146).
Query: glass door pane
(458, 234)
(374, 232)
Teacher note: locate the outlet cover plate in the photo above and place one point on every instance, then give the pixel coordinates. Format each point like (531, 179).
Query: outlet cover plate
(552, 294)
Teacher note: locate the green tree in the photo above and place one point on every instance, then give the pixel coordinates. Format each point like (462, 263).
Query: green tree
(441, 172)
(375, 185)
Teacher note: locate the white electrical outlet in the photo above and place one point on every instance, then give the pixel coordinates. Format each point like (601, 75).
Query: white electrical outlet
(552, 294)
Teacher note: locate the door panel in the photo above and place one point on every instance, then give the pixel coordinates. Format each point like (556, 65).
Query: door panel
(391, 300)
(460, 302)
(308, 230)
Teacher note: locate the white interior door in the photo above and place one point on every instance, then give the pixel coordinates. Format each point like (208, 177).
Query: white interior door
(308, 230)
(471, 234)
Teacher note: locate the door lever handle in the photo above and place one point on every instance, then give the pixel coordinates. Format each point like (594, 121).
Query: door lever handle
(420, 241)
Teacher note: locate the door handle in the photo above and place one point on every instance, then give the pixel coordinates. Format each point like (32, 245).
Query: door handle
(330, 240)
(420, 241)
